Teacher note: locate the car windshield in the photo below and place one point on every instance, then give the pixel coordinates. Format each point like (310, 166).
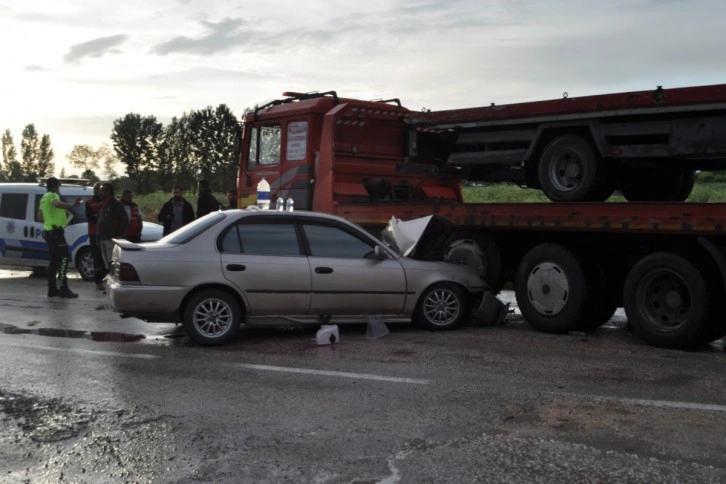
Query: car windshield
(191, 230)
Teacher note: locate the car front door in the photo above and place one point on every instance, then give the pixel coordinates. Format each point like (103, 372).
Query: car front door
(265, 262)
(347, 278)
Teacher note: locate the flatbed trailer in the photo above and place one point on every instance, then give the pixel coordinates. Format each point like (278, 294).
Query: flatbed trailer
(571, 264)
(647, 144)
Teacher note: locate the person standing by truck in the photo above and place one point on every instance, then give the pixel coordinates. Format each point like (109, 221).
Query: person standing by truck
(93, 206)
(231, 199)
(206, 202)
(133, 231)
(52, 212)
(177, 212)
(112, 223)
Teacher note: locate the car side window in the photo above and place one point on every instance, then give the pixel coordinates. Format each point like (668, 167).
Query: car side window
(261, 239)
(326, 241)
(14, 205)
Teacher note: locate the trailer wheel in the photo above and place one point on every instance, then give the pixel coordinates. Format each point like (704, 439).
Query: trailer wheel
(568, 170)
(480, 252)
(602, 300)
(550, 287)
(641, 185)
(666, 301)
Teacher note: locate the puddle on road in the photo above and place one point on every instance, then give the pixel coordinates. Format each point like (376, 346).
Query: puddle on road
(107, 336)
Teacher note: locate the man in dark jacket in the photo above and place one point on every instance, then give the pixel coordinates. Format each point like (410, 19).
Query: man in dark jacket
(136, 221)
(176, 213)
(112, 222)
(93, 207)
(206, 202)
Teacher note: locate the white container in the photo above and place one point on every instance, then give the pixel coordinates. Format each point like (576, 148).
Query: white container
(280, 205)
(263, 195)
(327, 335)
(290, 206)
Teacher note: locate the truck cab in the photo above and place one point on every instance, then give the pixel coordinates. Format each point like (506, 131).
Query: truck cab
(323, 150)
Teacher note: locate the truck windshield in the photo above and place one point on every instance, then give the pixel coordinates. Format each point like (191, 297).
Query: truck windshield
(264, 146)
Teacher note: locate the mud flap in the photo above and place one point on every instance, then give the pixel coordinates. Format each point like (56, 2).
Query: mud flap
(491, 311)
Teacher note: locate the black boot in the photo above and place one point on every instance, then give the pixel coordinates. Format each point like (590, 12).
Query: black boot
(65, 292)
(53, 291)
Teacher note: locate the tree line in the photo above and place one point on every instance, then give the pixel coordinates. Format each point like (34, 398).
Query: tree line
(35, 160)
(199, 144)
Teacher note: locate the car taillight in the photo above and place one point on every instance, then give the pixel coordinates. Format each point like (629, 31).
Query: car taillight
(127, 273)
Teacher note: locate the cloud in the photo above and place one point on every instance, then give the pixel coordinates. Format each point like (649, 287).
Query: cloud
(95, 48)
(33, 68)
(222, 36)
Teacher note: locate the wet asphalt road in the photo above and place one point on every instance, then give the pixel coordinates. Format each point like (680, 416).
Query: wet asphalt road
(88, 397)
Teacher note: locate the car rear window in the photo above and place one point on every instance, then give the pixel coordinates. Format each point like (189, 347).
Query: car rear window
(193, 229)
(261, 239)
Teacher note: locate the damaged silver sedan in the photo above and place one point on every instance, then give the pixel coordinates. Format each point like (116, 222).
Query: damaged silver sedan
(242, 267)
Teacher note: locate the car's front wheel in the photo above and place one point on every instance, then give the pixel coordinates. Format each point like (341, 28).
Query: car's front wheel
(212, 317)
(442, 306)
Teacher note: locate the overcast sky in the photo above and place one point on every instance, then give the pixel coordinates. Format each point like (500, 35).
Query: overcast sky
(71, 67)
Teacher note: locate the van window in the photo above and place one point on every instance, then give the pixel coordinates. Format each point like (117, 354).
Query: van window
(14, 205)
(75, 215)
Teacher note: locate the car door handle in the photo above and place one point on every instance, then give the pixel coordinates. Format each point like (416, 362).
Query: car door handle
(236, 267)
(323, 270)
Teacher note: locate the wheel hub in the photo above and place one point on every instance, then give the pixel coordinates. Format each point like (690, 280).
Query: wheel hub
(548, 288)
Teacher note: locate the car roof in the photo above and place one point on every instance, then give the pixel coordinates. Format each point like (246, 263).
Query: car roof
(79, 188)
(302, 214)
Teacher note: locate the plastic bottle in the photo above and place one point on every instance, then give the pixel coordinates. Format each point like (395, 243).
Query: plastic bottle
(280, 205)
(290, 205)
(263, 195)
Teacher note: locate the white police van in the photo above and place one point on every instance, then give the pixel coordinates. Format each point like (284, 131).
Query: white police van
(21, 233)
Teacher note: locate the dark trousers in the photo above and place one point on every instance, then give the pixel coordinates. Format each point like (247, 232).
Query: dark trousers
(99, 268)
(58, 255)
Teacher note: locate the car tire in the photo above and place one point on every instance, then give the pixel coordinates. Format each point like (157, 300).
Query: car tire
(212, 317)
(442, 306)
(84, 263)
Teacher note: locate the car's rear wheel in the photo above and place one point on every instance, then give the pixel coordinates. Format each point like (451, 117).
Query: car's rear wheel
(84, 263)
(442, 306)
(212, 317)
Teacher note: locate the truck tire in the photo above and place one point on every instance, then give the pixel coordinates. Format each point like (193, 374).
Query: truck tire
(666, 301)
(551, 289)
(479, 251)
(569, 171)
(642, 185)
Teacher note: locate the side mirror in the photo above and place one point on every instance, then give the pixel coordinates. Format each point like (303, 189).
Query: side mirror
(379, 253)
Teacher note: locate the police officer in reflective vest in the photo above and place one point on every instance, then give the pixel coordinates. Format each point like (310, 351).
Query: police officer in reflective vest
(52, 212)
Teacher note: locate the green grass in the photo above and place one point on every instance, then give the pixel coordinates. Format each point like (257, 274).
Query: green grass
(509, 193)
(495, 193)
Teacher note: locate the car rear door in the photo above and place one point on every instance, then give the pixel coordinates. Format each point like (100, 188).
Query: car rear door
(347, 279)
(264, 259)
